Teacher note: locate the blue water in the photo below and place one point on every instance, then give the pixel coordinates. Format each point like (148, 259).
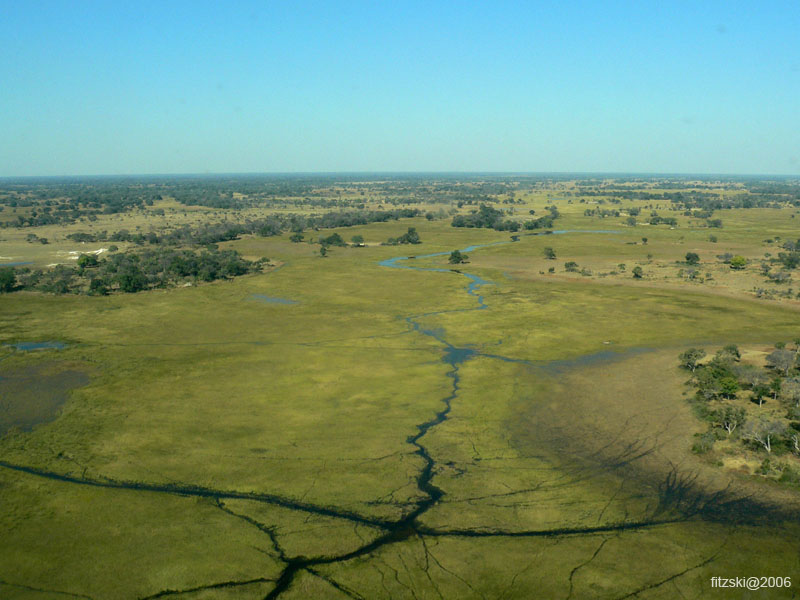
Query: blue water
(271, 299)
(597, 358)
(25, 346)
(453, 354)
(15, 264)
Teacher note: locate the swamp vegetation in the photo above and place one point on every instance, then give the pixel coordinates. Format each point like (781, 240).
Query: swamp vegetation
(460, 423)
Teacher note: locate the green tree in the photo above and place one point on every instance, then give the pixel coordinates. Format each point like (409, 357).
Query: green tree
(87, 260)
(8, 279)
(323, 251)
(690, 358)
(730, 351)
(692, 258)
(738, 263)
(296, 237)
(728, 387)
(98, 287)
(549, 253)
(357, 240)
(132, 279)
(730, 417)
(333, 239)
(758, 391)
(457, 257)
(637, 272)
(410, 237)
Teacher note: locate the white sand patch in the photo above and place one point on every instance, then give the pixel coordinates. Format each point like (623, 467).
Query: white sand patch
(75, 254)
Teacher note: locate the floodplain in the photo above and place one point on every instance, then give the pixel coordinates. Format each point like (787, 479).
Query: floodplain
(379, 421)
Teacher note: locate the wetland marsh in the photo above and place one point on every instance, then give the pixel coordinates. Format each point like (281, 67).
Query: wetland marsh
(371, 425)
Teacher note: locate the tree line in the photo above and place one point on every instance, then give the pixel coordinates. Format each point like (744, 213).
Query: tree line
(130, 272)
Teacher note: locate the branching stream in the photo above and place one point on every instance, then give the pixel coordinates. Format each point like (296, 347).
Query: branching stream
(394, 531)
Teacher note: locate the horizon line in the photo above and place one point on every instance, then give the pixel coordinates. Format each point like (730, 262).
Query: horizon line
(642, 174)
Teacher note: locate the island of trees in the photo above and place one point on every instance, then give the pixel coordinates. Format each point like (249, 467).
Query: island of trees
(752, 410)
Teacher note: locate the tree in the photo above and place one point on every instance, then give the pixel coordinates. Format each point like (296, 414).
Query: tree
(98, 287)
(456, 257)
(296, 237)
(759, 391)
(729, 386)
(357, 240)
(410, 237)
(762, 431)
(708, 386)
(8, 279)
(87, 260)
(323, 251)
(637, 272)
(750, 374)
(790, 391)
(738, 263)
(781, 360)
(631, 221)
(775, 387)
(131, 279)
(730, 351)
(690, 358)
(692, 258)
(549, 253)
(730, 417)
(333, 239)
(644, 240)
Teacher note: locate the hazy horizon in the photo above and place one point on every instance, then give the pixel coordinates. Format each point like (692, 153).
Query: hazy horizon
(332, 87)
(464, 174)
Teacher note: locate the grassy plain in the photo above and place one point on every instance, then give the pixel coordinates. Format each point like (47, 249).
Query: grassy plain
(220, 437)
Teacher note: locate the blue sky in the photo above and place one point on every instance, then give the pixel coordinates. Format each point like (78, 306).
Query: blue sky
(193, 87)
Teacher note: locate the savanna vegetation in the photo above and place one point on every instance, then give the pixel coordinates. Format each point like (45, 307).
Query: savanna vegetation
(435, 387)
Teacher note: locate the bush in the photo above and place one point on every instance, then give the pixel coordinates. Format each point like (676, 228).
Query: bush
(8, 279)
(704, 442)
(738, 263)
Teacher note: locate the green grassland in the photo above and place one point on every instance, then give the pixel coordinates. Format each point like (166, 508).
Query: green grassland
(227, 447)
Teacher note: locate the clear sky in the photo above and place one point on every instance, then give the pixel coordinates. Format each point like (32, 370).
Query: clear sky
(191, 87)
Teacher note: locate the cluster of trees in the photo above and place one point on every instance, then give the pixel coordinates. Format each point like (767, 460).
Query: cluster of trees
(731, 396)
(457, 257)
(601, 213)
(659, 220)
(62, 201)
(545, 222)
(737, 263)
(410, 237)
(214, 233)
(130, 272)
(486, 217)
(492, 218)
